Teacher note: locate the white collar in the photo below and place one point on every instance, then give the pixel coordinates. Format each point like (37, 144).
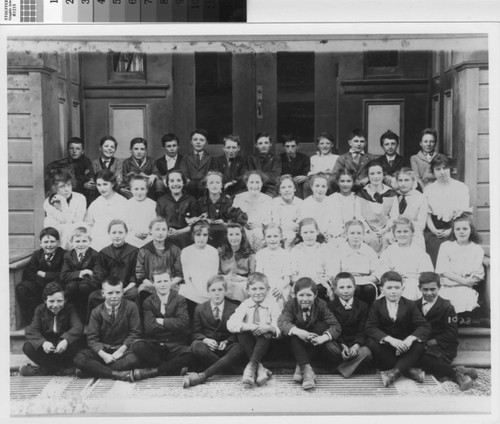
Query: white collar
(348, 303)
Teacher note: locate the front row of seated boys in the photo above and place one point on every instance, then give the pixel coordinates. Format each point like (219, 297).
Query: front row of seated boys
(400, 337)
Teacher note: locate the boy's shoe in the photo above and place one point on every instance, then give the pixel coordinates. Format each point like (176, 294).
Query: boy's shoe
(416, 374)
(193, 379)
(390, 376)
(464, 381)
(471, 372)
(184, 371)
(143, 373)
(81, 374)
(262, 375)
(123, 376)
(309, 377)
(248, 379)
(29, 370)
(297, 375)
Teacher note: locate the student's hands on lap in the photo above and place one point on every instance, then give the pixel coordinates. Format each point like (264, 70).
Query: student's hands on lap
(48, 347)
(211, 343)
(61, 346)
(264, 330)
(223, 345)
(397, 344)
(319, 340)
(117, 354)
(106, 357)
(159, 321)
(85, 272)
(41, 274)
(302, 334)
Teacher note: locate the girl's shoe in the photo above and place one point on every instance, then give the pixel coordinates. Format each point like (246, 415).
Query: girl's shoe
(29, 370)
(297, 376)
(262, 375)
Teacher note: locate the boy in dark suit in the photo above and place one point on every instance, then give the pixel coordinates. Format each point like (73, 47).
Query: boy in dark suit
(266, 162)
(114, 325)
(52, 338)
(195, 166)
(351, 314)
(391, 161)
(213, 344)
(231, 165)
(312, 328)
(165, 346)
(294, 163)
(79, 166)
(396, 332)
(443, 341)
(81, 272)
(44, 267)
(355, 159)
(171, 160)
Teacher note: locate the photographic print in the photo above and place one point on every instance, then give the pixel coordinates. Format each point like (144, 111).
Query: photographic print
(293, 179)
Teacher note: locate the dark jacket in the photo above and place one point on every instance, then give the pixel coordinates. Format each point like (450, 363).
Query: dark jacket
(119, 261)
(443, 340)
(148, 259)
(222, 209)
(124, 330)
(72, 267)
(161, 165)
(346, 161)
(270, 165)
(352, 321)
(299, 165)
(41, 329)
(321, 319)
(205, 325)
(191, 170)
(409, 321)
(175, 326)
(233, 172)
(398, 163)
(176, 211)
(38, 263)
(81, 169)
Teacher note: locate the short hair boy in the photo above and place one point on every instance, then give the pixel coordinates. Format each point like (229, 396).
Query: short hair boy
(78, 165)
(396, 332)
(443, 341)
(43, 267)
(195, 166)
(82, 271)
(312, 328)
(231, 165)
(355, 159)
(351, 313)
(139, 163)
(293, 162)
(256, 323)
(390, 161)
(266, 162)
(164, 346)
(53, 335)
(114, 325)
(170, 160)
(213, 345)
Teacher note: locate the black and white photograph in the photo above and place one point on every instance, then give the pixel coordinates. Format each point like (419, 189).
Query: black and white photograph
(242, 222)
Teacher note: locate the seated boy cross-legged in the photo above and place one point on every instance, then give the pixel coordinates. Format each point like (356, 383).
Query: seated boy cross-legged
(351, 313)
(53, 336)
(396, 332)
(256, 322)
(165, 346)
(213, 345)
(313, 330)
(113, 327)
(443, 341)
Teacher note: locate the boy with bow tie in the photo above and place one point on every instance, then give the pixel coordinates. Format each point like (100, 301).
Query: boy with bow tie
(213, 345)
(44, 266)
(312, 328)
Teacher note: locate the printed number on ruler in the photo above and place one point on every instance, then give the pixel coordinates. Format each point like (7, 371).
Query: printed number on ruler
(117, 1)
(163, 1)
(85, 1)
(70, 1)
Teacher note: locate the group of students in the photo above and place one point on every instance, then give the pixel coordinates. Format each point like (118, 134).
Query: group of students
(197, 216)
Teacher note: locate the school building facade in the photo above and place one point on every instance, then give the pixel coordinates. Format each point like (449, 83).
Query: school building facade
(304, 85)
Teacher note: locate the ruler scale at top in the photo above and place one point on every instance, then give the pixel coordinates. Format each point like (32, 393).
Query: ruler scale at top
(117, 11)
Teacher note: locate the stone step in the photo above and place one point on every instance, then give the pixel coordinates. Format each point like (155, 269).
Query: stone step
(474, 339)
